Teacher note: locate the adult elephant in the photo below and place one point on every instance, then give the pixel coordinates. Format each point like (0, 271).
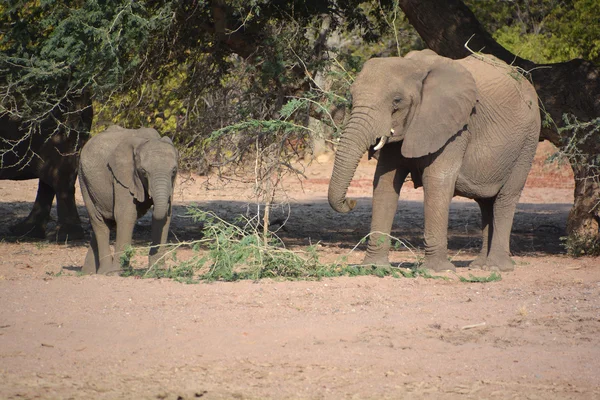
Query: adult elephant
(122, 173)
(48, 152)
(468, 127)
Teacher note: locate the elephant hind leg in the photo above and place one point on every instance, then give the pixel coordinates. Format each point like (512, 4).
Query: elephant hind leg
(99, 254)
(91, 263)
(34, 225)
(487, 228)
(505, 206)
(69, 224)
(100, 250)
(498, 258)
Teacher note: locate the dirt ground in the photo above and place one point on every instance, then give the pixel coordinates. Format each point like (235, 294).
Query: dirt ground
(533, 335)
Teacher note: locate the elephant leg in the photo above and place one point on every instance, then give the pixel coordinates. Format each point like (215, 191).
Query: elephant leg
(498, 258)
(122, 242)
(160, 232)
(99, 254)
(504, 212)
(91, 263)
(438, 193)
(125, 217)
(34, 225)
(388, 180)
(99, 257)
(487, 215)
(69, 224)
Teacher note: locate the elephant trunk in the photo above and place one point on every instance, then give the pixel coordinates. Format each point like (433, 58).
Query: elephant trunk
(360, 133)
(161, 189)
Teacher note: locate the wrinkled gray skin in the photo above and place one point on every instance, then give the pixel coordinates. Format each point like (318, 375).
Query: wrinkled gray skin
(466, 127)
(122, 173)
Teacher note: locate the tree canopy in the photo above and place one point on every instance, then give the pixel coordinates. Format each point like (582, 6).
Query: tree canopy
(543, 31)
(225, 78)
(51, 49)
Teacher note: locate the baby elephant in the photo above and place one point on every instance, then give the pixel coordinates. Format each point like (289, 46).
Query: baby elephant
(122, 173)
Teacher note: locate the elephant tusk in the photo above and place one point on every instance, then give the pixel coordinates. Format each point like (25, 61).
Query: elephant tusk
(381, 143)
(392, 131)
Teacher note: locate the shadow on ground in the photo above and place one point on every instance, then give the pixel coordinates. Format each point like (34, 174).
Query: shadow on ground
(537, 228)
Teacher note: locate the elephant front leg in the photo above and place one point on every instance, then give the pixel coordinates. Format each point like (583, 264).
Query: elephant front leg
(34, 225)
(388, 180)
(122, 243)
(437, 196)
(125, 212)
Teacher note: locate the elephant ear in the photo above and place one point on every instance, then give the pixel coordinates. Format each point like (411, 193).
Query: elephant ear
(122, 164)
(448, 96)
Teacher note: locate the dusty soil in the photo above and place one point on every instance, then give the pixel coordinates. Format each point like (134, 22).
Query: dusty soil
(534, 334)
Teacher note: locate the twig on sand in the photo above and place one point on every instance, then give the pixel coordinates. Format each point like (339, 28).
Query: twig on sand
(473, 326)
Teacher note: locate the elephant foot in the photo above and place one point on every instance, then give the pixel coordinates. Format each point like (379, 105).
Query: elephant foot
(479, 262)
(37, 231)
(438, 265)
(109, 266)
(90, 265)
(69, 232)
(502, 264)
(377, 260)
(88, 269)
(110, 270)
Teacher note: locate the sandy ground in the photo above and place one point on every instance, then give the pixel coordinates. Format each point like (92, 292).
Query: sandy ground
(534, 334)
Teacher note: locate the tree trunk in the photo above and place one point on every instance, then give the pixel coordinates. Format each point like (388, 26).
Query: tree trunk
(571, 88)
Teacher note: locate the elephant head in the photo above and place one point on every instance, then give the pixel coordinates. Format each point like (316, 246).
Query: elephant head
(422, 100)
(147, 167)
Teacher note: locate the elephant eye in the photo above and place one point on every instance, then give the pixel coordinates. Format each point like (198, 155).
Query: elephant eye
(397, 101)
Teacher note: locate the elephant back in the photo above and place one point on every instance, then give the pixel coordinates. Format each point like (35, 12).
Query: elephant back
(503, 87)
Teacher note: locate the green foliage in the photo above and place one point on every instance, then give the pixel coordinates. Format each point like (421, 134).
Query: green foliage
(416, 272)
(575, 31)
(239, 251)
(159, 104)
(55, 50)
(543, 31)
(125, 259)
(529, 46)
(189, 69)
(579, 146)
(493, 277)
(574, 133)
(579, 245)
